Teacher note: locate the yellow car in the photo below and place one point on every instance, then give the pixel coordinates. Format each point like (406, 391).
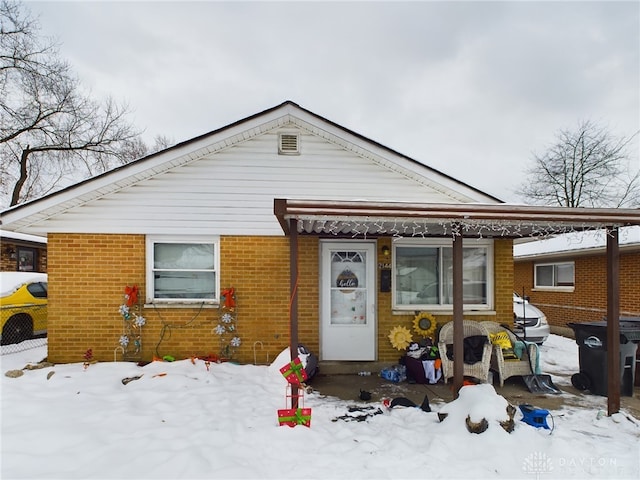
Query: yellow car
(23, 306)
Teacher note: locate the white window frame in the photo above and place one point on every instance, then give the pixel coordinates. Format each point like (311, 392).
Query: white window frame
(152, 240)
(488, 244)
(554, 287)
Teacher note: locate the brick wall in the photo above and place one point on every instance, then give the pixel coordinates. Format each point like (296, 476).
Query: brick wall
(386, 319)
(588, 301)
(87, 276)
(503, 270)
(88, 273)
(258, 268)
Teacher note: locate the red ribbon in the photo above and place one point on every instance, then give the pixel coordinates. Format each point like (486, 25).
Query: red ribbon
(132, 295)
(229, 299)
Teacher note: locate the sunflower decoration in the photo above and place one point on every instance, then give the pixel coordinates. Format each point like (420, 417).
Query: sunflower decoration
(400, 337)
(424, 324)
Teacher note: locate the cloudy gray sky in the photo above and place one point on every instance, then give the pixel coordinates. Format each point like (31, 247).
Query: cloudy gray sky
(469, 88)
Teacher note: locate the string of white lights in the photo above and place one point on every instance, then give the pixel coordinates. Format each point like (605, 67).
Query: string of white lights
(402, 227)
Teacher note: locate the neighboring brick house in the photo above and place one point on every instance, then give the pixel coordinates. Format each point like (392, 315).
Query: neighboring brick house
(20, 252)
(191, 222)
(566, 276)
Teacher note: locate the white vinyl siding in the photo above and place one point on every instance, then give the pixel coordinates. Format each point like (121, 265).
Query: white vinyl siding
(231, 192)
(224, 182)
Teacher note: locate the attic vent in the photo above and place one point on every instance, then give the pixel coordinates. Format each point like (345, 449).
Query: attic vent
(289, 144)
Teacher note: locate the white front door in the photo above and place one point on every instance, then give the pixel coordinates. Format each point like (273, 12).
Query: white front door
(348, 314)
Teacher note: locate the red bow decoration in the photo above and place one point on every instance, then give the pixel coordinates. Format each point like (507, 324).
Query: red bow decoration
(229, 297)
(131, 294)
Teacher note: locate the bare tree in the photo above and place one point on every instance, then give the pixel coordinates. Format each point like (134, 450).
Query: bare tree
(136, 148)
(51, 134)
(586, 167)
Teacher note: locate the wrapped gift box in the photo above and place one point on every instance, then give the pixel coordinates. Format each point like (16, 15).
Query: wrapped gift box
(294, 416)
(294, 372)
(295, 412)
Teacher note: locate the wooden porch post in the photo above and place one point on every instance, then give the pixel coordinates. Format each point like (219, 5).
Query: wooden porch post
(613, 324)
(458, 334)
(293, 300)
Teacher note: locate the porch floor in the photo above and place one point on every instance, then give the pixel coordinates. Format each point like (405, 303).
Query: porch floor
(346, 385)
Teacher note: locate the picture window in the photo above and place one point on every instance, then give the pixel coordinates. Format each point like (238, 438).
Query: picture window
(423, 275)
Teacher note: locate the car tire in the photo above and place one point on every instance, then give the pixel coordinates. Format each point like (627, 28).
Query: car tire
(17, 329)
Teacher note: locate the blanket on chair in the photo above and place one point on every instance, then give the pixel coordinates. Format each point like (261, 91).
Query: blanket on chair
(472, 348)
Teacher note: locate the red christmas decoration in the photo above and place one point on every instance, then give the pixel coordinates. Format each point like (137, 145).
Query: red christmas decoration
(294, 372)
(131, 294)
(229, 298)
(294, 416)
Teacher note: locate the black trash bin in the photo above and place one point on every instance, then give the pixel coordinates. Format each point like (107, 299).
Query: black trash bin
(591, 338)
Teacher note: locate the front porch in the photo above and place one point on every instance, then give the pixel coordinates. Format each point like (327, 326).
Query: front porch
(342, 381)
(362, 219)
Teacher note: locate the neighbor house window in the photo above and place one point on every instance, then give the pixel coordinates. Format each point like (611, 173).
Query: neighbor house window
(423, 275)
(182, 269)
(27, 259)
(554, 275)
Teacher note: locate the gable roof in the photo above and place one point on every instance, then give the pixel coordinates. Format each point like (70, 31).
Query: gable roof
(21, 217)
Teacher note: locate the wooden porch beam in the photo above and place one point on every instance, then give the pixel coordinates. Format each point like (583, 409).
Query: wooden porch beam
(293, 301)
(613, 323)
(458, 333)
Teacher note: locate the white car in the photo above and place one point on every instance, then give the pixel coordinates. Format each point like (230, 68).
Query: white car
(529, 322)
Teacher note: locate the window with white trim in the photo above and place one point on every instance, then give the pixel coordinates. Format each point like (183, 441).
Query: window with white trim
(182, 269)
(423, 274)
(554, 275)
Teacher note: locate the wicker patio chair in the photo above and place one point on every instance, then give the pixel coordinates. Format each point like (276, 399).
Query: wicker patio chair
(506, 367)
(470, 328)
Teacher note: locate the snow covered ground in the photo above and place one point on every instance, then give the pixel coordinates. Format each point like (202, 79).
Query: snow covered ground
(187, 420)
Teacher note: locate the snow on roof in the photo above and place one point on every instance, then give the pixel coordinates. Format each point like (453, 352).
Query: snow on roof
(12, 281)
(575, 242)
(22, 236)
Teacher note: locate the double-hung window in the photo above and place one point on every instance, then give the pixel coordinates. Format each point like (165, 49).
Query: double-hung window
(182, 269)
(555, 275)
(423, 274)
